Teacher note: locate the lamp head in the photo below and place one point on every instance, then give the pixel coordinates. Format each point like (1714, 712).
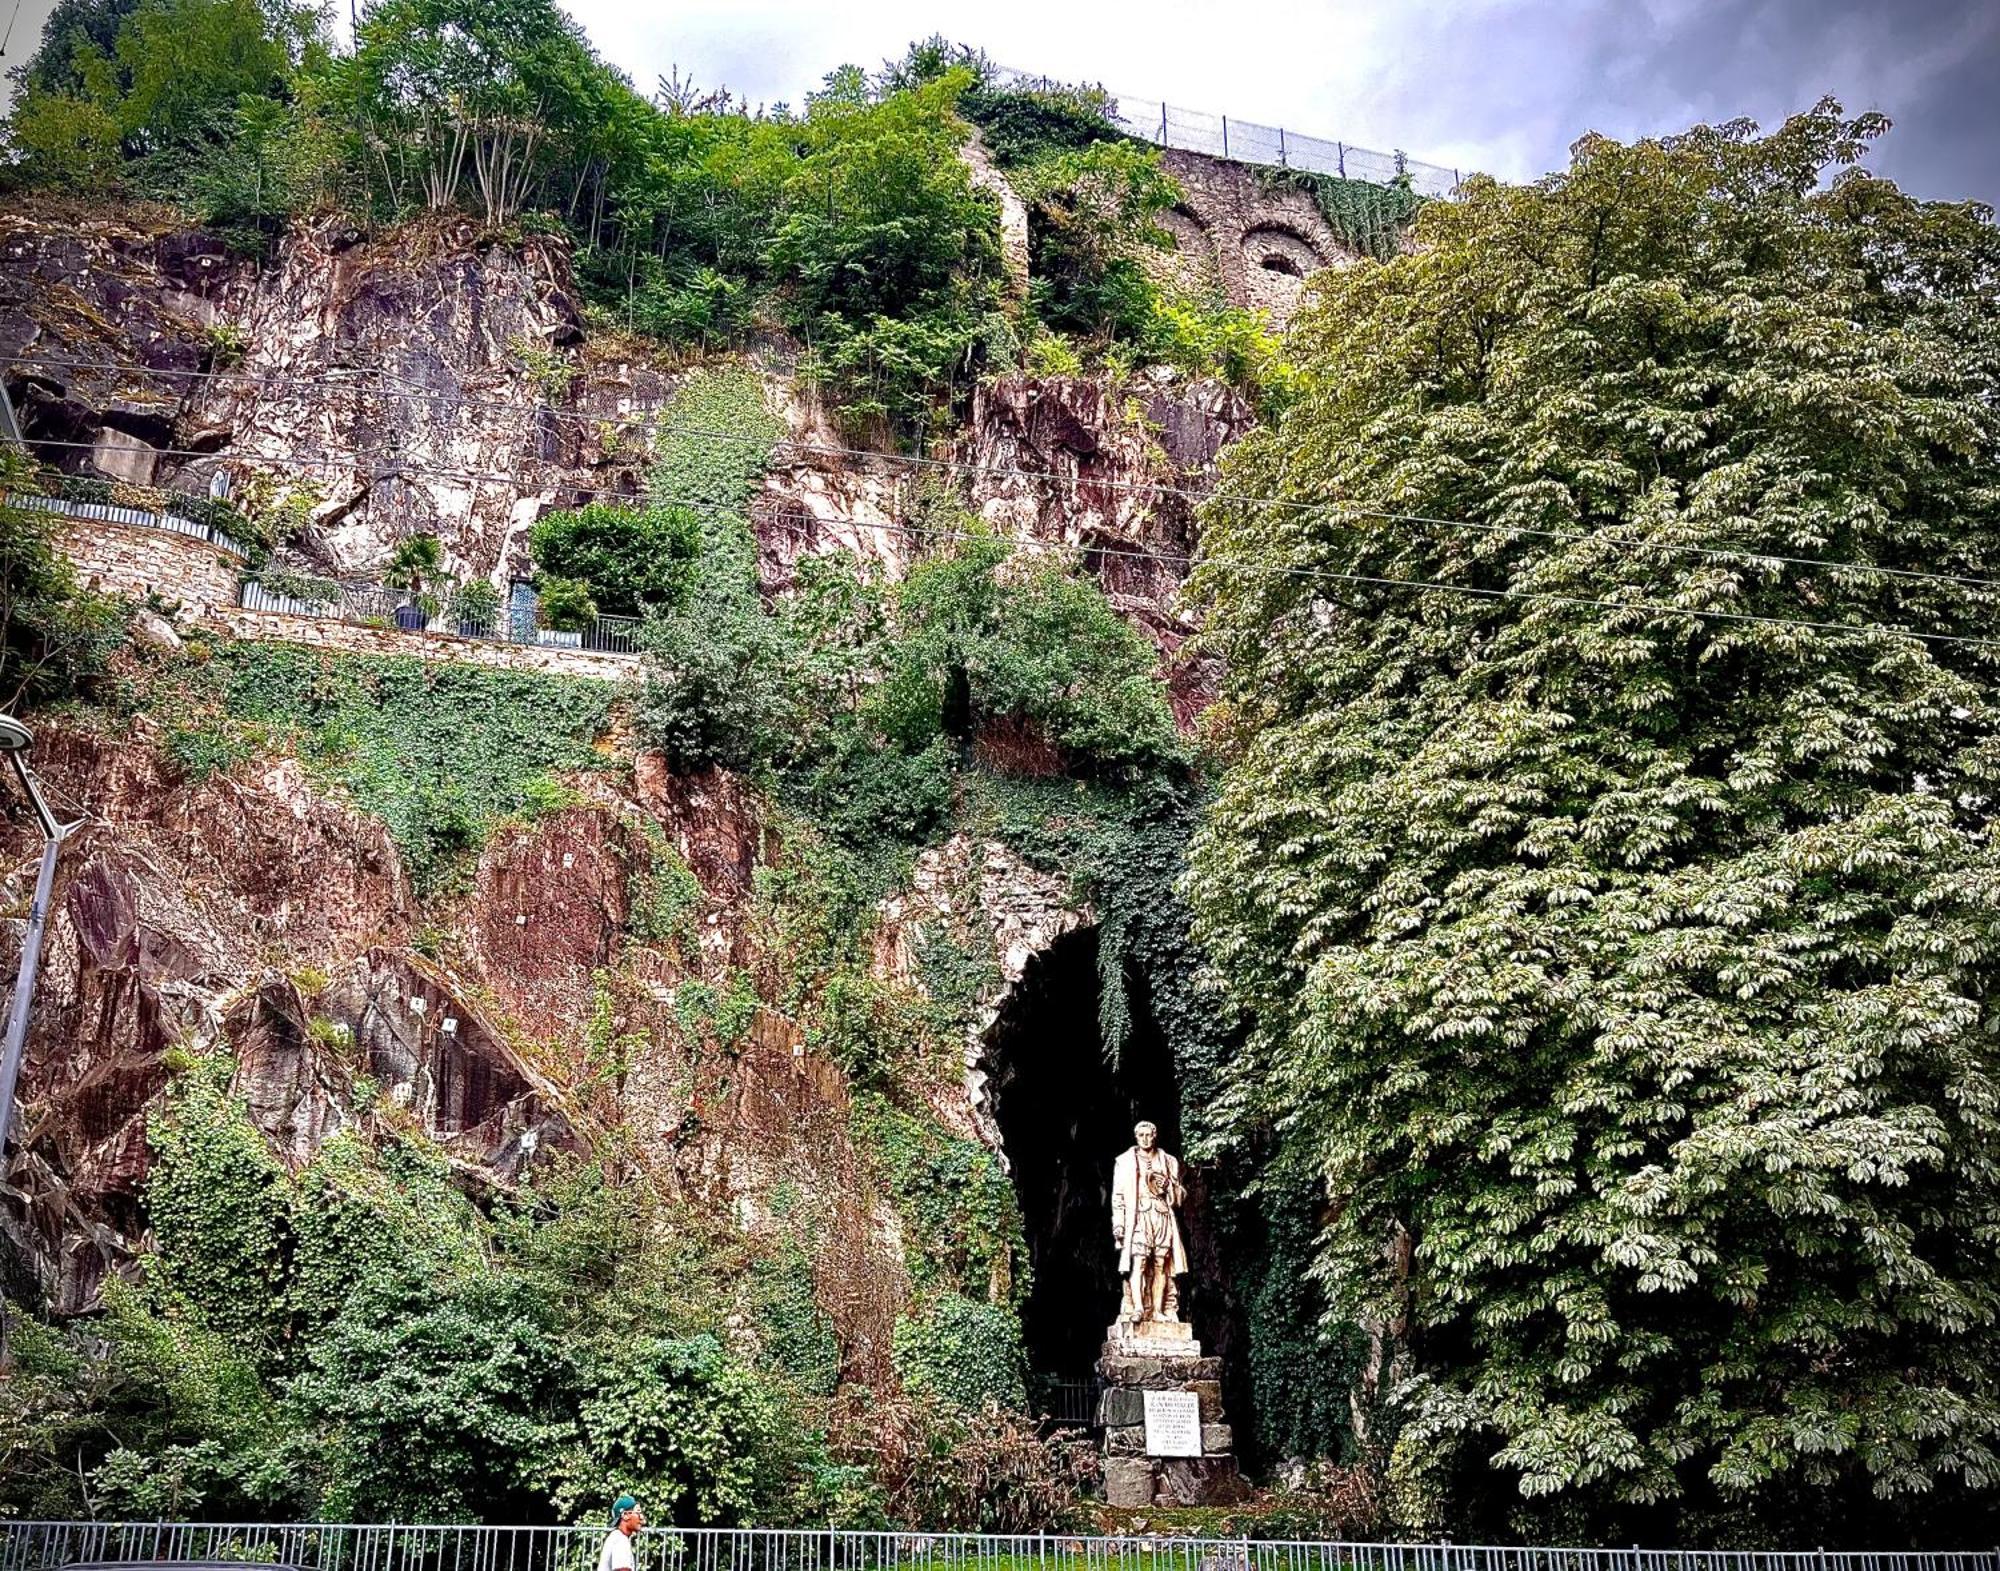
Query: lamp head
(14, 737)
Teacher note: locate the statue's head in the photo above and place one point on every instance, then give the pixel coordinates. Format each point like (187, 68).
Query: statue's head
(1148, 1135)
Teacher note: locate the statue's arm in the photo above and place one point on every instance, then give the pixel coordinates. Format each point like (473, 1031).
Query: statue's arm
(1118, 1201)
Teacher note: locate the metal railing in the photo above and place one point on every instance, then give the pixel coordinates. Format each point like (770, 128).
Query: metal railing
(47, 1546)
(372, 606)
(1069, 1401)
(1247, 142)
(114, 513)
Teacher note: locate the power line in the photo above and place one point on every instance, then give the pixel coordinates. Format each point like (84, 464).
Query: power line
(658, 426)
(799, 520)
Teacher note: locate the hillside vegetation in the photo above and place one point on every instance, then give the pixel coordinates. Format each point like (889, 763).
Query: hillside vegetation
(849, 221)
(1572, 932)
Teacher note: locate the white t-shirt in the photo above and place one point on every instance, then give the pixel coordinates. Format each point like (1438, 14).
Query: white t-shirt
(617, 1555)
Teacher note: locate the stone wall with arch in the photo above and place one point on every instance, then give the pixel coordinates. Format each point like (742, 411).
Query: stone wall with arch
(1256, 243)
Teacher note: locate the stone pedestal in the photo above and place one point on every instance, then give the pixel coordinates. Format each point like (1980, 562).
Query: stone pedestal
(1162, 1356)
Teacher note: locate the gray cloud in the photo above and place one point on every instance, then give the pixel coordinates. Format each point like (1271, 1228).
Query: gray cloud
(1519, 80)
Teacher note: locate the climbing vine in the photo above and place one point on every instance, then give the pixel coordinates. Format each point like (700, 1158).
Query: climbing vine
(440, 753)
(1368, 217)
(962, 1225)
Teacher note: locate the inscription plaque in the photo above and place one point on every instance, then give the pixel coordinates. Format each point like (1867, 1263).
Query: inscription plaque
(1173, 1423)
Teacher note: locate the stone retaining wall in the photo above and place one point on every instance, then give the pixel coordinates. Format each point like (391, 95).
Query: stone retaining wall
(201, 581)
(325, 632)
(130, 559)
(1258, 242)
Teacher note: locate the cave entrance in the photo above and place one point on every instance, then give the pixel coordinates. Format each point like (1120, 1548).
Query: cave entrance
(1064, 1114)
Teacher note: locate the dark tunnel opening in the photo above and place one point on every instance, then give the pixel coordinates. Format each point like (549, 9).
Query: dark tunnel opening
(1065, 1113)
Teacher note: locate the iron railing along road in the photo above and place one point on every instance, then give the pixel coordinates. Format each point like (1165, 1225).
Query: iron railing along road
(1247, 142)
(47, 1546)
(372, 606)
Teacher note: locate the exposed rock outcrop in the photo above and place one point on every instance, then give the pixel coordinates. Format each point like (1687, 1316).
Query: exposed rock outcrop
(170, 900)
(1117, 470)
(434, 380)
(252, 914)
(364, 389)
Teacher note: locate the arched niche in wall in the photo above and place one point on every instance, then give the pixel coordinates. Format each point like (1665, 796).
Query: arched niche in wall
(1285, 252)
(1276, 262)
(1192, 258)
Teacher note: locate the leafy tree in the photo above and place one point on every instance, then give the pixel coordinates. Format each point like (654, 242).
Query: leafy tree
(1620, 963)
(891, 256)
(679, 1422)
(633, 559)
(187, 63)
(53, 634)
(446, 1403)
(78, 36)
(988, 643)
(443, 97)
(64, 141)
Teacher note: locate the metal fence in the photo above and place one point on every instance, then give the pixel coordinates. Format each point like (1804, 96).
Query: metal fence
(1069, 1401)
(1247, 142)
(113, 513)
(371, 606)
(46, 1546)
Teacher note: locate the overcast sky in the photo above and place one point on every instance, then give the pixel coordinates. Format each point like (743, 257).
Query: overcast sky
(1499, 85)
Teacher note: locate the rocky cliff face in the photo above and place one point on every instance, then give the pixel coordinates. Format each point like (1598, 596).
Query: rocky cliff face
(1117, 470)
(513, 1021)
(368, 388)
(365, 388)
(360, 389)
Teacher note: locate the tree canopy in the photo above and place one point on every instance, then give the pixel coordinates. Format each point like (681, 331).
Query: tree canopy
(1605, 870)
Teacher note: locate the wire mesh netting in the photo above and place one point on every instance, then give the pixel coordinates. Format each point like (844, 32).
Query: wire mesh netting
(1247, 141)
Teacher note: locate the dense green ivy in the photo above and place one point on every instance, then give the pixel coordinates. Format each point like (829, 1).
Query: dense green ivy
(963, 1350)
(796, 1337)
(716, 436)
(1371, 218)
(962, 1225)
(439, 752)
(219, 1207)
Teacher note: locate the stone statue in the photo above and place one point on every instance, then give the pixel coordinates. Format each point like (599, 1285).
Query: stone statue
(1145, 1188)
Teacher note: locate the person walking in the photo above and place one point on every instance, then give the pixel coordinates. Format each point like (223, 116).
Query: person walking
(626, 1520)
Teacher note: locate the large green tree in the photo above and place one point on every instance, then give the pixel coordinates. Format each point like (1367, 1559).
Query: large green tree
(889, 253)
(1618, 961)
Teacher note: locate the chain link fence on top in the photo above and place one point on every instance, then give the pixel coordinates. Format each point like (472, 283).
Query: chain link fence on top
(1248, 142)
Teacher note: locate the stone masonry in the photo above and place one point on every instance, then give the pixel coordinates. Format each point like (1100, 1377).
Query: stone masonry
(198, 580)
(325, 632)
(132, 560)
(1132, 1479)
(1256, 243)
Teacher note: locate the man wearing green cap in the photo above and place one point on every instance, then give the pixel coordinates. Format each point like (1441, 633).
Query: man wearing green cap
(626, 1519)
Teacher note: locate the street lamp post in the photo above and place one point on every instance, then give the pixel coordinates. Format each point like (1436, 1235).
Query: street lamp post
(15, 740)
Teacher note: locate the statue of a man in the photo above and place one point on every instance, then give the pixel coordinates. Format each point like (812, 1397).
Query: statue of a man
(1145, 1188)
